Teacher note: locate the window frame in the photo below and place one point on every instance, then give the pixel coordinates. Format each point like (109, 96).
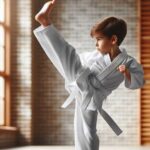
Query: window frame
(6, 73)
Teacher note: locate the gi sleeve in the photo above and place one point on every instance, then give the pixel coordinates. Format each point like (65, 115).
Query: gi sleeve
(60, 52)
(137, 75)
(84, 57)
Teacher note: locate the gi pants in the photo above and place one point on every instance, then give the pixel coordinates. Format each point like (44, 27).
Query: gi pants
(85, 130)
(84, 120)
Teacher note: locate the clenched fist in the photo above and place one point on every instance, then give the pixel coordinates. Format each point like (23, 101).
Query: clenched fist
(123, 69)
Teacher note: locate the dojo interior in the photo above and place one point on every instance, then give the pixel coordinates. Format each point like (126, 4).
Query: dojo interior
(32, 90)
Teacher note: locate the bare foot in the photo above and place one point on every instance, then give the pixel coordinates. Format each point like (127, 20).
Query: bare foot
(43, 16)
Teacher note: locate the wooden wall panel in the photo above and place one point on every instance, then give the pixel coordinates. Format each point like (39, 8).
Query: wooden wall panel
(145, 60)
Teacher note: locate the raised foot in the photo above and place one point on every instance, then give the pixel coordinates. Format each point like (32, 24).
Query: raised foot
(43, 16)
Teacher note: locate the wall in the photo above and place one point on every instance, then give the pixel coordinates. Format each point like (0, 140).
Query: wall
(21, 87)
(8, 137)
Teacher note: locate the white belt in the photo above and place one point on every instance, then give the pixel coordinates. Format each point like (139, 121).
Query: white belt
(88, 91)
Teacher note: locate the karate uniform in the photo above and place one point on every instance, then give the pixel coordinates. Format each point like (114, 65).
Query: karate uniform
(89, 78)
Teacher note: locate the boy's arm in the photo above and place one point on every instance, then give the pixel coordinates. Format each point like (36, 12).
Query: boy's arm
(134, 77)
(84, 57)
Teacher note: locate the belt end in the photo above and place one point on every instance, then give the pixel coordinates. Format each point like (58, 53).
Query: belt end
(119, 132)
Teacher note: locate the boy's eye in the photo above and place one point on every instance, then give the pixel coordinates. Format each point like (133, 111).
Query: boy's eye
(99, 39)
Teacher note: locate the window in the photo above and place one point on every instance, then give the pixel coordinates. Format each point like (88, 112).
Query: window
(4, 62)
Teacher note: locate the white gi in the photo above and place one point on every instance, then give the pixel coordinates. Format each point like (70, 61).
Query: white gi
(89, 78)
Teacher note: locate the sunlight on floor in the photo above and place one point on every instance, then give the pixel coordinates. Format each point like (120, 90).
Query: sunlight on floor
(72, 148)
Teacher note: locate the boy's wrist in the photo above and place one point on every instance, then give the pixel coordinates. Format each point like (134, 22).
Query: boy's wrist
(127, 74)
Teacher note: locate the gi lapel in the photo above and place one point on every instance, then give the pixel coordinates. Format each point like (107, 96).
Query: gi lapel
(117, 61)
(122, 57)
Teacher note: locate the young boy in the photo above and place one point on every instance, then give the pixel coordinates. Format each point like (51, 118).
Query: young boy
(90, 76)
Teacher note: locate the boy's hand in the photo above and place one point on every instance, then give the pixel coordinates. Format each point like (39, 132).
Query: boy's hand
(124, 71)
(122, 68)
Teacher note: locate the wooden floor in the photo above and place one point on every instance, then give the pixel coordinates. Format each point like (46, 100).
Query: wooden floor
(72, 148)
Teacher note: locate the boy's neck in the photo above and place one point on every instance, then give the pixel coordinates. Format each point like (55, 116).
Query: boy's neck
(113, 55)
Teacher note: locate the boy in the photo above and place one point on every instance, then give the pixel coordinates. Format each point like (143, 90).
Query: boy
(90, 76)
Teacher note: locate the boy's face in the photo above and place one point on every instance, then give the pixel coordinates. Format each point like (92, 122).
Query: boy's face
(103, 43)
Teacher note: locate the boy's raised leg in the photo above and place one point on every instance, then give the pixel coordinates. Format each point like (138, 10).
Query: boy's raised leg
(60, 52)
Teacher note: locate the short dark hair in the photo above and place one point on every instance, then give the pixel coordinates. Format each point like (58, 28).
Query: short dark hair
(111, 26)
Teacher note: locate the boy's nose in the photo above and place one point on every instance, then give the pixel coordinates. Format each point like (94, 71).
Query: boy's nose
(96, 44)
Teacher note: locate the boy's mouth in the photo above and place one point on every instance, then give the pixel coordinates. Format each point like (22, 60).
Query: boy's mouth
(97, 48)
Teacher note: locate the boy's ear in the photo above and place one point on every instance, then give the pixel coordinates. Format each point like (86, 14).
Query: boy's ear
(114, 39)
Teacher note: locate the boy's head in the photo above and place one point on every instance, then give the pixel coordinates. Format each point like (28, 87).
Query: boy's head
(109, 33)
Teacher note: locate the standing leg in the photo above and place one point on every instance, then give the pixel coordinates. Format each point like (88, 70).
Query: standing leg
(85, 122)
